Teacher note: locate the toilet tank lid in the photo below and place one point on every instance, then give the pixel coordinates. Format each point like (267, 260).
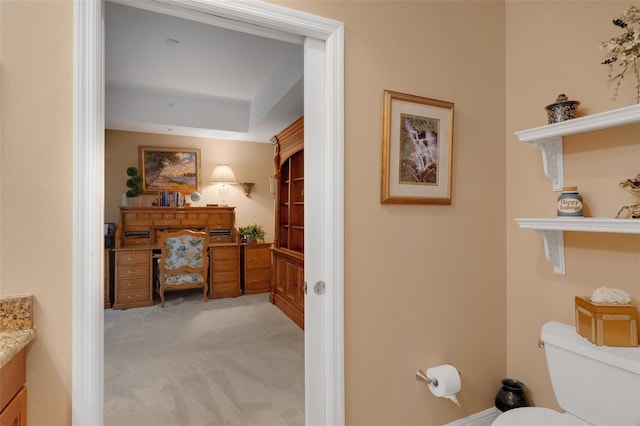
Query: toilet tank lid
(565, 336)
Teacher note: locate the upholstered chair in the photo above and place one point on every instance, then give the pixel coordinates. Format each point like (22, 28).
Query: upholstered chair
(183, 262)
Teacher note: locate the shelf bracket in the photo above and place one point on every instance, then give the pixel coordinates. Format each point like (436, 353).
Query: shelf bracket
(551, 149)
(553, 248)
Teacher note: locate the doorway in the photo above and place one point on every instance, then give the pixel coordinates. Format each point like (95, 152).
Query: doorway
(324, 128)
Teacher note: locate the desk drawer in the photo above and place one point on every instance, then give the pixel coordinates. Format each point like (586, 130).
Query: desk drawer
(133, 296)
(125, 283)
(223, 276)
(132, 257)
(136, 242)
(257, 260)
(224, 253)
(225, 288)
(224, 264)
(194, 222)
(133, 271)
(133, 227)
(219, 220)
(165, 222)
(258, 276)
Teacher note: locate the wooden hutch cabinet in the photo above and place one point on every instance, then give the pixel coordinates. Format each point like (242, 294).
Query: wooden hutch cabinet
(287, 285)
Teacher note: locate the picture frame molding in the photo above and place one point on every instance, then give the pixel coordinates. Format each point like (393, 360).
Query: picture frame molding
(142, 155)
(404, 193)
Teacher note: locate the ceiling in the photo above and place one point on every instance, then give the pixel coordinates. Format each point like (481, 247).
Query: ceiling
(176, 75)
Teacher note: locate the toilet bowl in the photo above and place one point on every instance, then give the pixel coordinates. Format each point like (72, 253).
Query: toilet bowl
(584, 377)
(536, 416)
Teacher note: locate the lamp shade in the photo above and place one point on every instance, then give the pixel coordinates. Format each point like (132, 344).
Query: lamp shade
(223, 174)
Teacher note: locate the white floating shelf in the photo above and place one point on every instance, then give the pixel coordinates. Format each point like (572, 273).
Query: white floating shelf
(551, 230)
(583, 224)
(548, 138)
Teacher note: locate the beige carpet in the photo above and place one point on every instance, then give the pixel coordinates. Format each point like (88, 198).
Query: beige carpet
(237, 361)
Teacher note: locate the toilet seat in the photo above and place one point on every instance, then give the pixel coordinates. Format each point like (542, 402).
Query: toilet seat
(536, 416)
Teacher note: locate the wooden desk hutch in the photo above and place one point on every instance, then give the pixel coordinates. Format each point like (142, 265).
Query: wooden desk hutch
(287, 286)
(137, 239)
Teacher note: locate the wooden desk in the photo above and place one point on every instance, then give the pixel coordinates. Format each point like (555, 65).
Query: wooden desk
(137, 239)
(135, 274)
(140, 226)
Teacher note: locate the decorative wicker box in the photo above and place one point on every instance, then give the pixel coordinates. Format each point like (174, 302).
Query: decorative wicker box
(607, 324)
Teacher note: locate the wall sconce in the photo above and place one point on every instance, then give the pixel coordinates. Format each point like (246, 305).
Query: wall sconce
(223, 176)
(248, 186)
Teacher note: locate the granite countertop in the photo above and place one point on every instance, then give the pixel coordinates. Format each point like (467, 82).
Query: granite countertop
(16, 325)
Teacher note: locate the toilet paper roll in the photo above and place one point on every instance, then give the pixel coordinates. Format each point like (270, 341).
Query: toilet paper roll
(448, 381)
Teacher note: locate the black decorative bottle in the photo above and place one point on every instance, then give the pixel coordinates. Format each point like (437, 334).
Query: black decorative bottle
(511, 395)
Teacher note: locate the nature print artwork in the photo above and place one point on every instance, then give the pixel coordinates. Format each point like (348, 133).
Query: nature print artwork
(419, 150)
(417, 155)
(170, 169)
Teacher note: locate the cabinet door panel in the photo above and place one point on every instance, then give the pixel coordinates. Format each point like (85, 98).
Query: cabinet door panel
(281, 275)
(15, 414)
(300, 288)
(291, 291)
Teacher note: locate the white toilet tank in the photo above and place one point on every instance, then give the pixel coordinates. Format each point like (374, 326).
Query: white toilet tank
(598, 384)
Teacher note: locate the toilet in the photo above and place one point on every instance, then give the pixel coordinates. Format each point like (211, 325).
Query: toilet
(595, 385)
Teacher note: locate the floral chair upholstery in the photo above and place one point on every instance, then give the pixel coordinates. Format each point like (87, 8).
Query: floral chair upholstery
(183, 262)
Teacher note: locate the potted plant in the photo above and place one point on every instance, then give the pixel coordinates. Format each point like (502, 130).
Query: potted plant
(134, 183)
(252, 233)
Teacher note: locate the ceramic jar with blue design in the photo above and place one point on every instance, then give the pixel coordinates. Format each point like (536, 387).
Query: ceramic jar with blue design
(570, 202)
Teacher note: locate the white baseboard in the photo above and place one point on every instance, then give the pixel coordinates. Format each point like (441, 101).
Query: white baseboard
(483, 418)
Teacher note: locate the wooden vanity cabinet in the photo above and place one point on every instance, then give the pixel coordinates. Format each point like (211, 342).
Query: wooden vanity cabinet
(287, 286)
(15, 413)
(13, 392)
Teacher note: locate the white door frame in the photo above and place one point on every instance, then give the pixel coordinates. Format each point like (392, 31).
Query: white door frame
(324, 222)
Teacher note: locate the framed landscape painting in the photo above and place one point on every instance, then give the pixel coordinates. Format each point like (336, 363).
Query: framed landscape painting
(170, 169)
(417, 141)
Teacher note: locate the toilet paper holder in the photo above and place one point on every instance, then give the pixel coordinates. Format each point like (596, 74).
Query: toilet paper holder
(420, 375)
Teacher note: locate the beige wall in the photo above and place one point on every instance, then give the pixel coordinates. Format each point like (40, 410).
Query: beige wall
(423, 284)
(250, 161)
(552, 48)
(36, 40)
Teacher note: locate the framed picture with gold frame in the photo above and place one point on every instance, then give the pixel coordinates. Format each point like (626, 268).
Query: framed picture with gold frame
(169, 169)
(417, 149)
